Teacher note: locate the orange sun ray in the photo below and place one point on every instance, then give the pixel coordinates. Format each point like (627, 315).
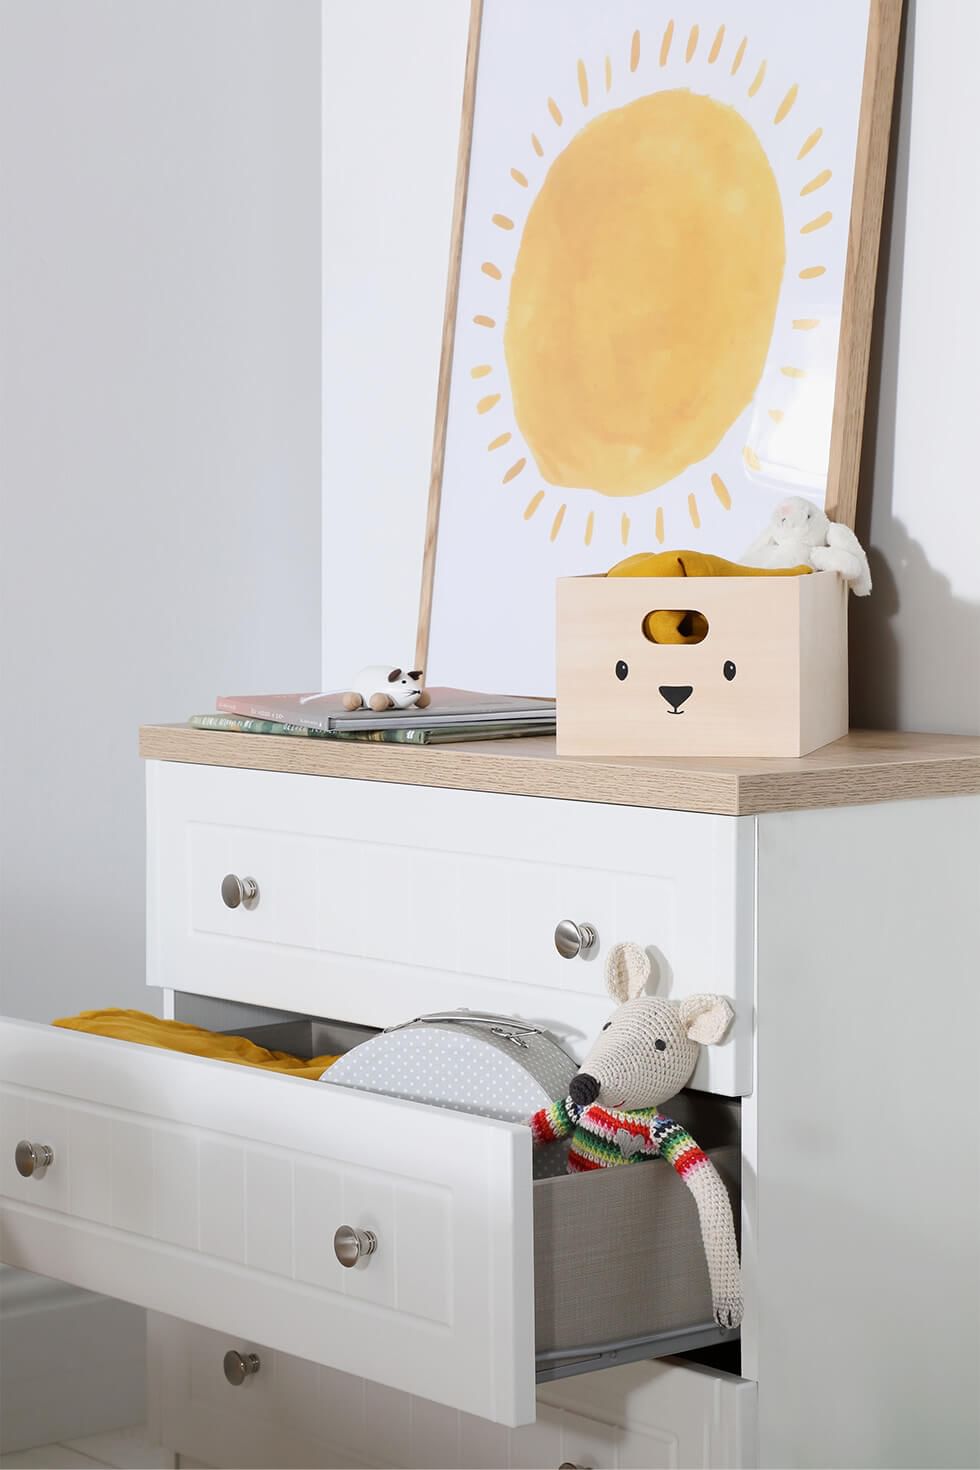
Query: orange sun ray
(817, 182)
(493, 271)
(624, 529)
(484, 321)
(786, 106)
(503, 222)
(583, 84)
(816, 224)
(518, 177)
(536, 145)
(776, 414)
(693, 512)
(811, 142)
(810, 272)
(659, 525)
(716, 45)
(757, 80)
(665, 43)
(533, 504)
(485, 404)
(721, 491)
(482, 370)
(635, 51)
(556, 523)
(805, 323)
(514, 471)
(608, 75)
(500, 440)
(692, 43)
(793, 372)
(751, 458)
(737, 59)
(589, 527)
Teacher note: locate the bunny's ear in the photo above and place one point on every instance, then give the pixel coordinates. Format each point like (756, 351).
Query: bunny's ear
(627, 971)
(706, 1018)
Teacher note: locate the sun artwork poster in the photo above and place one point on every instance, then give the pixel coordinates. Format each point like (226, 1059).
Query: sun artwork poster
(649, 300)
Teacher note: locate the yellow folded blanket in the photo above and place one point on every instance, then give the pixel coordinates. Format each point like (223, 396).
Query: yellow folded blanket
(678, 625)
(149, 1030)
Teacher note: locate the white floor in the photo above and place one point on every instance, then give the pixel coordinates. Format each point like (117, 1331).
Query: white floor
(123, 1449)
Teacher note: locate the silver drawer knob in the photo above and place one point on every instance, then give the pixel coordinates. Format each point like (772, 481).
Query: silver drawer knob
(239, 1366)
(235, 891)
(350, 1245)
(32, 1158)
(573, 939)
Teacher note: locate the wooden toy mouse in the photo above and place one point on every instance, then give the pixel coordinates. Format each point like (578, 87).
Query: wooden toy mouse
(644, 1055)
(380, 687)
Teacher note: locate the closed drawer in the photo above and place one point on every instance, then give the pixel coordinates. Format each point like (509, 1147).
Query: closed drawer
(212, 1192)
(293, 1413)
(378, 902)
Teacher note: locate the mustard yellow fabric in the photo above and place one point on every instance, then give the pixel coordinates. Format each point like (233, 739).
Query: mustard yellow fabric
(148, 1030)
(679, 625)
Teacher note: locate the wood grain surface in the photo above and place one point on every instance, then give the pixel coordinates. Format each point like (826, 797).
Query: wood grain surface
(866, 766)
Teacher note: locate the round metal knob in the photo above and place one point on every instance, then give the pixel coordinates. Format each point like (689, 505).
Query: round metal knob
(350, 1245)
(239, 1366)
(573, 939)
(235, 891)
(32, 1158)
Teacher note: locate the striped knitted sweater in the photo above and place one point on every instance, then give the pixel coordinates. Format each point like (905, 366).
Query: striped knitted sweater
(604, 1138)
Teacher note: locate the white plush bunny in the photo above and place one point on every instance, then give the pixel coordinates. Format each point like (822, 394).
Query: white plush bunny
(799, 534)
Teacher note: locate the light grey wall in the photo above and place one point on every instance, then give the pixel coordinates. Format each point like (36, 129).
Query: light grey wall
(159, 434)
(915, 643)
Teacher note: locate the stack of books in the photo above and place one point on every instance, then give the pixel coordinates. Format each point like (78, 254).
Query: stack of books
(452, 715)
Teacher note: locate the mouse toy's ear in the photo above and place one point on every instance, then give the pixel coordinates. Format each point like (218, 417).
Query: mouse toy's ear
(627, 972)
(395, 674)
(414, 674)
(706, 1018)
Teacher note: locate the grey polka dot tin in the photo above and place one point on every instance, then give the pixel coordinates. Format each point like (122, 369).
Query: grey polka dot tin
(468, 1061)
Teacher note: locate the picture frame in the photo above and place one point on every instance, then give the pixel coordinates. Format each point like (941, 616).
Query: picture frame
(486, 604)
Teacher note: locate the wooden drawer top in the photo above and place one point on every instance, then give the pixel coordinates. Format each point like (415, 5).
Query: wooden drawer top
(866, 766)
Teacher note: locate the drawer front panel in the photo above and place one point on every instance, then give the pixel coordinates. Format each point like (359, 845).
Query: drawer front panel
(212, 1192)
(377, 902)
(650, 1416)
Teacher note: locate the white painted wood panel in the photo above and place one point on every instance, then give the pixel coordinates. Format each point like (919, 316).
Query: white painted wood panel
(378, 902)
(866, 1283)
(265, 1167)
(645, 1416)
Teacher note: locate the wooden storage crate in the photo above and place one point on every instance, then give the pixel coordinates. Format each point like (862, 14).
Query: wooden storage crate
(768, 679)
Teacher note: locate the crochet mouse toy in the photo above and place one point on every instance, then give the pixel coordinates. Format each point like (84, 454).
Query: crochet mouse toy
(644, 1055)
(800, 534)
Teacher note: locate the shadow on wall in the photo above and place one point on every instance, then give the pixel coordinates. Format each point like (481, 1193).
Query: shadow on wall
(912, 601)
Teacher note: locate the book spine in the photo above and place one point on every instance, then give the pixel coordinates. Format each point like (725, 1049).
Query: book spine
(247, 725)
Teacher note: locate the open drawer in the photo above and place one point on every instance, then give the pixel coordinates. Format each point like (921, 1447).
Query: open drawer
(213, 1192)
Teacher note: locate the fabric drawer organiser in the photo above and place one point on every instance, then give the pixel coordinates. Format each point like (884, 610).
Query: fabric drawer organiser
(212, 1192)
(376, 902)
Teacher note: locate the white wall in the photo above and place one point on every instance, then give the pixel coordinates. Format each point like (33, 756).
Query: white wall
(159, 443)
(388, 173)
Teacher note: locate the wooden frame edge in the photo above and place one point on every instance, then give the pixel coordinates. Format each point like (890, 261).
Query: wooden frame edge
(861, 269)
(448, 336)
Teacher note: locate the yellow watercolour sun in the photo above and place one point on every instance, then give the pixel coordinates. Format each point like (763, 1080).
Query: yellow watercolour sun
(640, 309)
(684, 217)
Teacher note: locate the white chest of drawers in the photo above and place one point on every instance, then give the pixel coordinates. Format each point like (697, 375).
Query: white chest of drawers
(834, 901)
